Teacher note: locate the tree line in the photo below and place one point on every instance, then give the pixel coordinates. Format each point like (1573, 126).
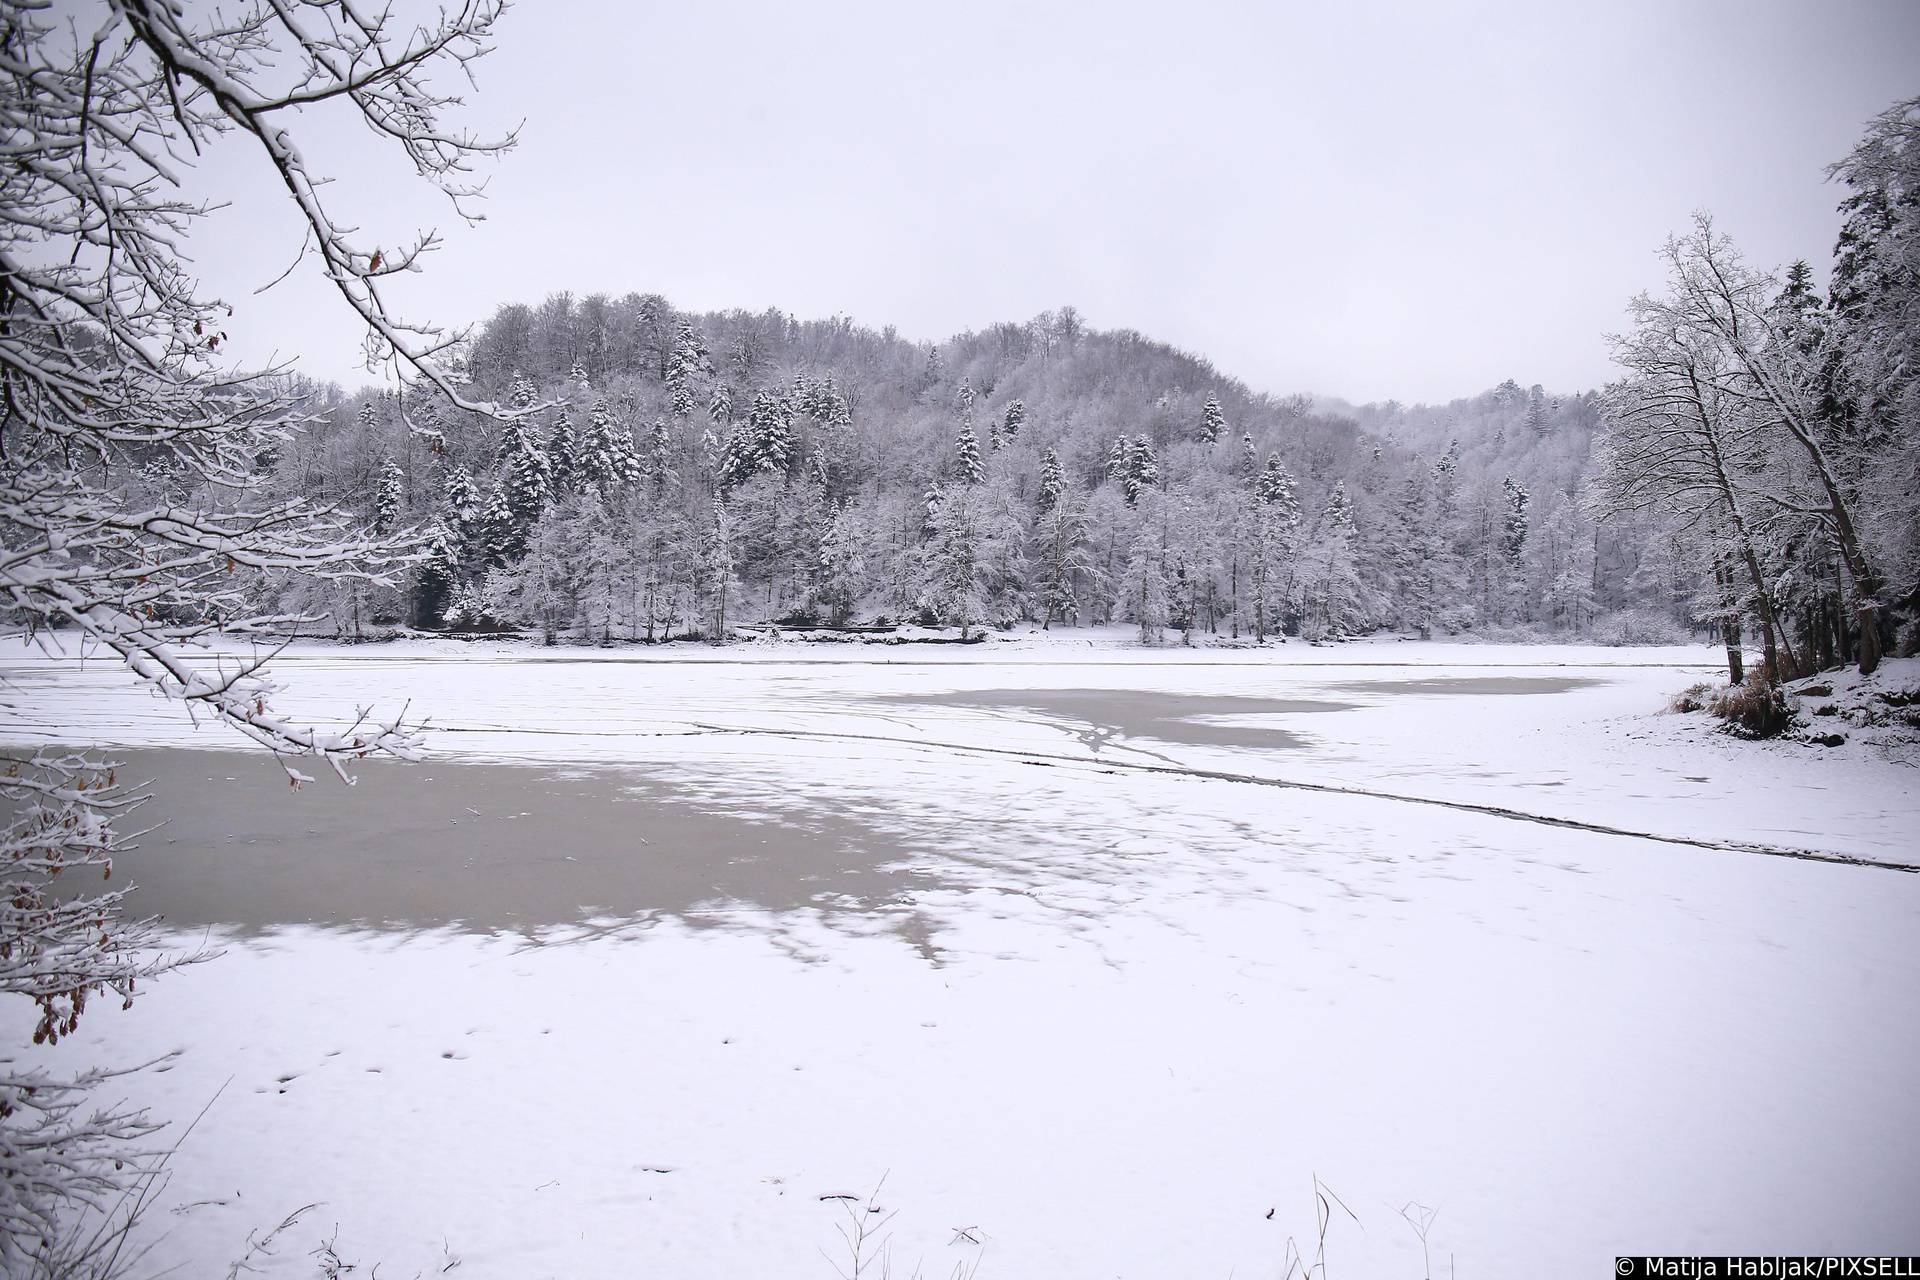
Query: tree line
(664, 474)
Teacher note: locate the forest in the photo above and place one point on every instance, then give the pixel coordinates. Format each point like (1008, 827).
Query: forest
(661, 474)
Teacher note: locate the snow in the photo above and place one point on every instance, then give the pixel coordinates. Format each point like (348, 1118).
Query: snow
(1100, 1019)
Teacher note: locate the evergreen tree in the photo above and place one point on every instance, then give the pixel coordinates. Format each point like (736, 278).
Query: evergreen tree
(967, 462)
(762, 445)
(527, 474)
(1275, 488)
(563, 453)
(1213, 420)
(462, 502)
(437, 577)
(656, 460)
(1537, 421)
(1247, 468)
(607, 457)
(1339, 512)
(1333, 602)
(842, 564)
(501, 535)
(390, 500)
(686, 367)
(973, 556)
(1139, 468)
(1276, 517)
(1016, 418)
(1513, 539)
(521, 392)
(720, 404)
(1053, 482)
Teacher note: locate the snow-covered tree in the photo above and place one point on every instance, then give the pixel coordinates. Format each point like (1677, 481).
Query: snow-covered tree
(563, 453)
(687, 368)
(1276, 520)
(113, 358)
(438, 574)
(1213, 420)
(527, 477)
(762, 445)
(1513, 530)
(974, 560)
(390, 499)
(607, 458)
(1143, 581)
(1053, 481)
(1133, 466)
(713, 570)
(966, 455)
(1061, 556)
(1015, 419)
(1333, 600)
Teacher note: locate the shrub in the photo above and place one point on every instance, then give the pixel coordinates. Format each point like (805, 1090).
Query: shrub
(1692, 698)
(1756, 709)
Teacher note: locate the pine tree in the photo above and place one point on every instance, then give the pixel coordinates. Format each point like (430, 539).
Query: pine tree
(687, 365)
(563, 454)
(1513, 538)
(967, 462)
(1139, 468)
(390, 500)
(607, 458)
(462, 500)
(1276, 517)
(1053, 481)
(500, 533)
(1016, 418)
(656, 460)
(763, 444)
(1538, 423)
(527, 474)
(436, 578)
(1339, 512)
(842, 564)
(1333, 599)
(1213, 420)
(521, 392)
(720, 404)
(1247, 468)
(974, 564)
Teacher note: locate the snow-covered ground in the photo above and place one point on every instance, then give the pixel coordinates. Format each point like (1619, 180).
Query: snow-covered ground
(1022, 935)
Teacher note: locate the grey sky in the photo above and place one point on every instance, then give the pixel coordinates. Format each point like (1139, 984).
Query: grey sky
(1369, 201)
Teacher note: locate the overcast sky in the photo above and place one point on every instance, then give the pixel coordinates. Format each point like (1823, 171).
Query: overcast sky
(1369, 201)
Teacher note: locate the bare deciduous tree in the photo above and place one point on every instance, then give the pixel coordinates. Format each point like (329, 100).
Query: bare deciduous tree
(111, 362)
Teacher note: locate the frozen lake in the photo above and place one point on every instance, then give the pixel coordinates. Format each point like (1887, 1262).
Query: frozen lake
(1090, 960)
